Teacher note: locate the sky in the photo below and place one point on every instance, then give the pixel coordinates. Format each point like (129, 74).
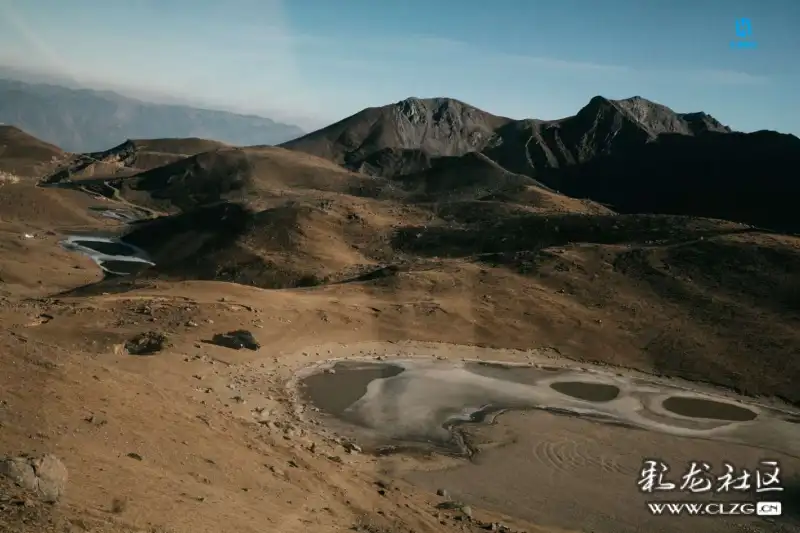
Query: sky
(313, 62)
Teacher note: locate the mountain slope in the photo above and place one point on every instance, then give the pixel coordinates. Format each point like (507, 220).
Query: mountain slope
(128, 158)
(21, 154)
(379, 140)
(744, 177)
(602, 126)
(253, 174)
(403, 137)
(83, 120)
(633, 155)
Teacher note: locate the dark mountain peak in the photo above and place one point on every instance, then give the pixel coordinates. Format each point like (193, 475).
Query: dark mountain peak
(418, 110)
(623, 104)
(598, 100)
(698, 115)
(653, 118)
(596, 104)
(438, 109)
(435, 101)
(700, 122)
(407, 135)
(402, 137)
(634, 100)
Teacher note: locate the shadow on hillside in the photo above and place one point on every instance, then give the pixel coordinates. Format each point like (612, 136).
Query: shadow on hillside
(790, 498)
(749, 178)
(200, 180)
(663, 251)
(207, 244)
(535, 232)
(220, 222)
(750, 272)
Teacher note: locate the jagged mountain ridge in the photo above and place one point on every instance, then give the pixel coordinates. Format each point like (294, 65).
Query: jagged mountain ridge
(632, 155)
(379, 140)
(403, 137)
(601, 127)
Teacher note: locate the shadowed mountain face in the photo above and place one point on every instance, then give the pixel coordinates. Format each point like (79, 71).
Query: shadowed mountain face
(602, 127)
(633, 155)
(402, 138)
(736, 176)
(82, 120)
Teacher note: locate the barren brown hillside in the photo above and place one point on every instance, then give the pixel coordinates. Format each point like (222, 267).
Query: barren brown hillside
(24, 155)
(459, 258)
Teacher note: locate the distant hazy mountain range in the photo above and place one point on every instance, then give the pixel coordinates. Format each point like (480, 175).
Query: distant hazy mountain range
(85, 120)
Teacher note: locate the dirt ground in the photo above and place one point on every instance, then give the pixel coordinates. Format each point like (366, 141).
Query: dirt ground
(201, 438)
(171, 436)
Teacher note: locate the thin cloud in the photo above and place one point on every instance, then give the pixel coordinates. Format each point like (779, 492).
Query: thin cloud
(429, 47)
(727, 77)
(562, 64)
(702, 76)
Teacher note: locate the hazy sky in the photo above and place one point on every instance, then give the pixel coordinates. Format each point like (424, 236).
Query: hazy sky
(316, 61)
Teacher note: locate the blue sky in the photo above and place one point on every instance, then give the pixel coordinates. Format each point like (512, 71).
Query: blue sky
(316, 61)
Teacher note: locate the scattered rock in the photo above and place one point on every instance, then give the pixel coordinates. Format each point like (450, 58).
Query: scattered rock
(118, 505)
(97, 420)
(134, 455)
(147, 343)
(496, 526)
(449, 505)
(351, 447)
(238, 339)
(443, 493)
(45, 475)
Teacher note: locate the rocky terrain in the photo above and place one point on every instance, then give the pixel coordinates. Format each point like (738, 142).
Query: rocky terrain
(603, 239)
(403, 137)
(634, 155)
